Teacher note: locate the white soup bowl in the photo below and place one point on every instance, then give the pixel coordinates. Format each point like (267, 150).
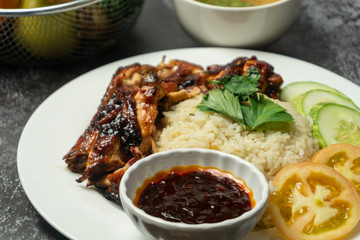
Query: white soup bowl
(236, 26)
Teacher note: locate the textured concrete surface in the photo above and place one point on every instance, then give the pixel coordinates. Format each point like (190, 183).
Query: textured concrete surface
(325, 33)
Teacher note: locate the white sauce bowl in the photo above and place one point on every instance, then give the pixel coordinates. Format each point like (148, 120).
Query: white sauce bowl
(157, 228)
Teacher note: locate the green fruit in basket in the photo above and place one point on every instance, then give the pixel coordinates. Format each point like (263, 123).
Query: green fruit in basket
(335, 123)
(34, 3)
(46, 36)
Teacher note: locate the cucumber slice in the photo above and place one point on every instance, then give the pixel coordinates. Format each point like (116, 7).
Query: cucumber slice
(309, 99)
(295, 89)
(335, 123)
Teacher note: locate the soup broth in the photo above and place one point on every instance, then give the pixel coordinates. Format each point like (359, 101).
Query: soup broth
(237, 3)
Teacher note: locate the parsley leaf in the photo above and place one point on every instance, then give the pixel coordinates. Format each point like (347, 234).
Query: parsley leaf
(242, 86)
(263, 110)
(223, 102)
(236, 97)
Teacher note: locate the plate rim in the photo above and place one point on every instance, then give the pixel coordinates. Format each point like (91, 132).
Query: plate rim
(40, 107)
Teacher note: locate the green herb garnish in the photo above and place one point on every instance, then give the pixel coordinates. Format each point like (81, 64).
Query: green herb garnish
(263, 110)
(223, 102)
(236, 98)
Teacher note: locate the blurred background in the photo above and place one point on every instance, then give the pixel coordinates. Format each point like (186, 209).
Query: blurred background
(325, 33)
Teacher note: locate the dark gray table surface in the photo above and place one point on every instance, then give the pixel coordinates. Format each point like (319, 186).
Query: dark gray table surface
(325, 33)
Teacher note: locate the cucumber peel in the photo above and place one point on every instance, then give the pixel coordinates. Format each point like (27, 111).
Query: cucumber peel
(335, 123)
(293, 90)
(309, 99)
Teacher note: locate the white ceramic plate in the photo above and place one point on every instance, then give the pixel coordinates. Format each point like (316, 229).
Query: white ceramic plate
(83, 213)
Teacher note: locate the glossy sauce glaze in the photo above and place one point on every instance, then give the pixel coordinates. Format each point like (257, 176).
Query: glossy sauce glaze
(194, 195)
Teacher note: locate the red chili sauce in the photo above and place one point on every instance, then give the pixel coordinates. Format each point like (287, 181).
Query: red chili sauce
(194, 194)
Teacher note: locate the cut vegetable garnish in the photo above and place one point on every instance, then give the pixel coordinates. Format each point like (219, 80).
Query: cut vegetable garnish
(236, 98)
(334, 123)
(295, 89)
(344, 158)
(313, 201)
(306, 101)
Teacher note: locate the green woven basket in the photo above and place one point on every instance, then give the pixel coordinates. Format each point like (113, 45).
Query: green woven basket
(64, 32)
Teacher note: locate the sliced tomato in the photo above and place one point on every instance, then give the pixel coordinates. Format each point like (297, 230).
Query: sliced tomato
(344, 158)
(313, 202)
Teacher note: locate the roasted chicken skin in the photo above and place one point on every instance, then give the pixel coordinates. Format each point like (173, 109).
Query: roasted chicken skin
(122, 130)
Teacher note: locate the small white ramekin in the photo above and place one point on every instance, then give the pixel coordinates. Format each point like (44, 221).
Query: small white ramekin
(157, 228)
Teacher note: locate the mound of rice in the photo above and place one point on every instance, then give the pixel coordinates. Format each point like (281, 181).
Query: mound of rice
(269, 151)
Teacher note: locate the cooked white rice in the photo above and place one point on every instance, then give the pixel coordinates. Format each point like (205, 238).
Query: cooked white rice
(269, 151)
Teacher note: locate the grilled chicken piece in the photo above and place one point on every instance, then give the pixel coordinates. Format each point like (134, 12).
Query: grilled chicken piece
(129, 76)
(115, 177)
(122, 130)
(119, 131)
(181, 80)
